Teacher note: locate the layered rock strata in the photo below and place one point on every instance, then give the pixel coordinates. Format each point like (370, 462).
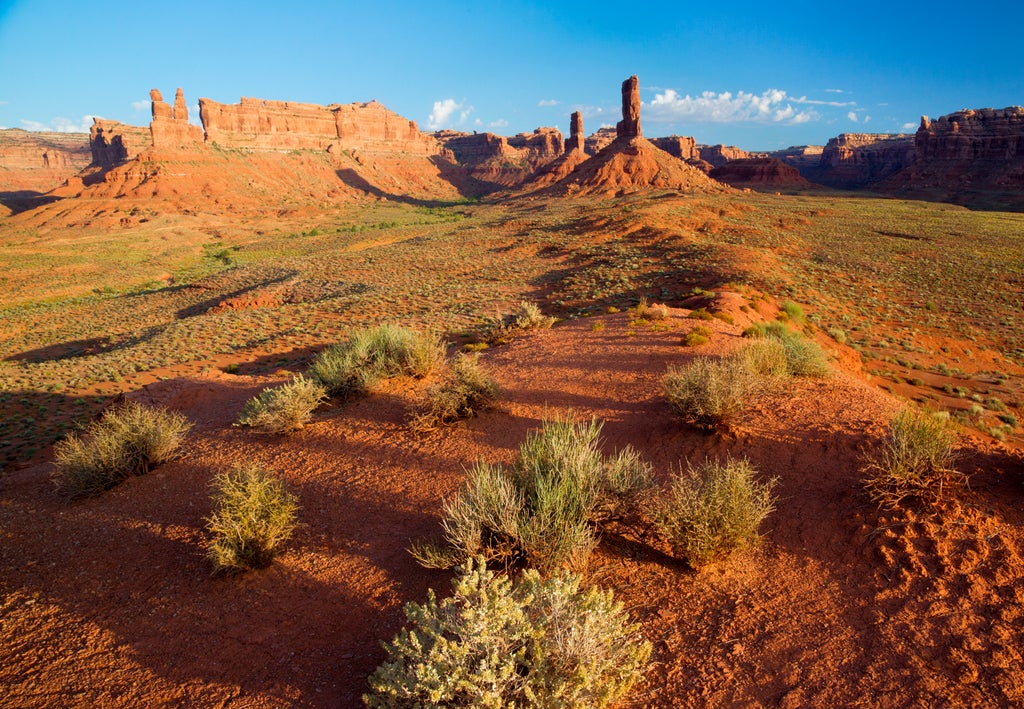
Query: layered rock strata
(759, 172)
(855, 160)
(575, 141)
(629, 126)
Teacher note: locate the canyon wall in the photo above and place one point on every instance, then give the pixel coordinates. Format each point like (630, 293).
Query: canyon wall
(40, 161)
(496, 162)
(257, 124)
(682, 147)
(769, 173)
(986, 134)
(718, 155)
(855, 160)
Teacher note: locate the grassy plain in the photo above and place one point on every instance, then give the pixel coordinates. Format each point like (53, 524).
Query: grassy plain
(930, 295)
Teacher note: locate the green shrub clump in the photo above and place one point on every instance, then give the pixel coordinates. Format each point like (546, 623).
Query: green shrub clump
(495, 643)
(283, 408)
(128, 439)
(804, 357)
(253, 517)
(714, 510)
(710, 393)
(698, 336)
(916, 461)
(542, 511)
(466, 390)
(368, 356)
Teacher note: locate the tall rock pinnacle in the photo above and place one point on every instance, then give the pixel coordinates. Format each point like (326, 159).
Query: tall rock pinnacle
(629, 126)
(575, 139)
(180, 109)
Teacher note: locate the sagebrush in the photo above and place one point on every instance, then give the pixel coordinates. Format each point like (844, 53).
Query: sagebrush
(370, 355)
(710, 393)
(542, 511)
(254, 515)
(283, 408)
(466, 390)
(714, 509)
(916, 460)
(495, 643)
(128, 439)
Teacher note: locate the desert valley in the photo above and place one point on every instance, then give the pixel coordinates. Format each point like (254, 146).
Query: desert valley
(194, 267)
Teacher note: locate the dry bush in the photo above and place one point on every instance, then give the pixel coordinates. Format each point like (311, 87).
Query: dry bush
(368, 356)
(529, 317)
(804, 357)
(647, 311)
(916, 461)
(466, 390)
(129, 439)
(253, 517)
(767, 358)
(710, 392)
(495, 643)
(543, 510)
(283, 408)
(714, 510)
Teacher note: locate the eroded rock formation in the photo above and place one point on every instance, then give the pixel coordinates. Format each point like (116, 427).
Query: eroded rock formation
(113, 143)
(575, 141)
(854, 160)
(170, 127)
(629, 126)
(718, 155)
(984, 134)
(599, 140)
(499, 161)
(38, 162)
(680, 146)
(257, 124)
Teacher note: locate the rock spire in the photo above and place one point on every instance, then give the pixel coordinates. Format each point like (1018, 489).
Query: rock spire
(576, 138)
(629, 126)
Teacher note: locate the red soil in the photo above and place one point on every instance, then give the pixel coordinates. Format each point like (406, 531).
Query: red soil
(109, 601)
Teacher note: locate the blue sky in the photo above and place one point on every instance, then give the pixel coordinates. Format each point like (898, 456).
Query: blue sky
(756, 75)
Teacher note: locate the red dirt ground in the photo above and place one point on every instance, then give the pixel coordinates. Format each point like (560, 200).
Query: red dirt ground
(110, 602)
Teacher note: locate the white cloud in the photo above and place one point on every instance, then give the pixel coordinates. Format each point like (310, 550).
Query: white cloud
(867, 119)
(545, 103)
(60, 125)
(141, 105)
(852, 116)
(817, 102)
(771, 106)
(443, 113)
(834, 91)
(500, 123)
(907, 127)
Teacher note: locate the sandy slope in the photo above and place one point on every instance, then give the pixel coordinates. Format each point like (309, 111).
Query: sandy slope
(109, 601)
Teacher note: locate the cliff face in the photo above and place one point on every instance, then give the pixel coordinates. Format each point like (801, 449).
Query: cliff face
(854, 160)
(718, 155)
(802, 157)
(495, 162)
(112, 143)
(679, 146)
(39, 162)
(599, 140)
(985, 134)
(256, 124)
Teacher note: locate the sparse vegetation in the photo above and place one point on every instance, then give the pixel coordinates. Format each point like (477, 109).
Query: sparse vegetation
(128, 439)
(283, 408)
(368, 356)
(466, 389)
(767, 358)
(804, 357)
(543, 509)
(713, 510)
(915, 461)
(253, 518)
(495, 643)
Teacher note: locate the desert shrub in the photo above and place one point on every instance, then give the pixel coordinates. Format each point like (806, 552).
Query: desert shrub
(370, 355)
(714, 510)
(542, 510)
(466, 390)
(793, 311)
(838, 334)
(528, 317)
(915, 461)
(700, 314)
(698, 336)
(129, 439)
(710, 392)
(804, 357)
(646, 311)
(766, 357)
(283, 408)
(253, 517)
(495, 643)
